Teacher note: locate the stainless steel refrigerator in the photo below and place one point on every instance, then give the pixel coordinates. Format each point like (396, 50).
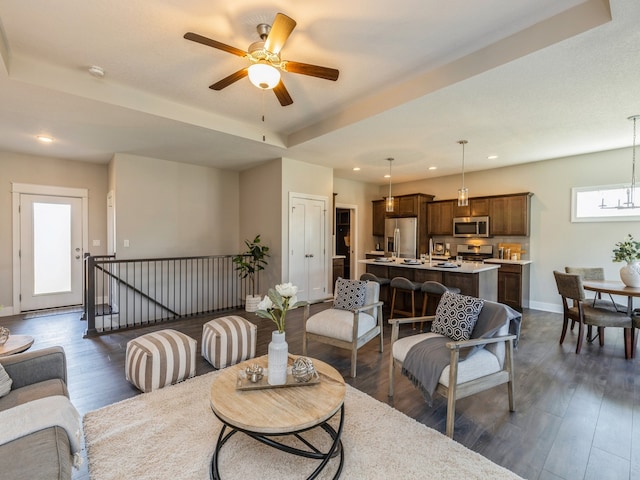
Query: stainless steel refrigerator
(401, 237)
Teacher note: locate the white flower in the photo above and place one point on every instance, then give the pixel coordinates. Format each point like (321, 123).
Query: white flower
(265, 303)
(287, 289)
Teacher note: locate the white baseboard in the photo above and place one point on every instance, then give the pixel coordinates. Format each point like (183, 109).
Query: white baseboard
(546, 307)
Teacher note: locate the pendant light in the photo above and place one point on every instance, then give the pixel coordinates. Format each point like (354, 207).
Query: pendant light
(390, 198)
(630, 191)
(463, 193)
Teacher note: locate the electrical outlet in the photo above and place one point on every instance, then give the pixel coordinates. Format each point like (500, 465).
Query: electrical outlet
(126, 243)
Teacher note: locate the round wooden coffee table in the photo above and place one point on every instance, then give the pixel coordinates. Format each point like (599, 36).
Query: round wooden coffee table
(269, 412)
(16, 344)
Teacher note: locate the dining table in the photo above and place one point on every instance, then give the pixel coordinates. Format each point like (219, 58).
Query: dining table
(615, 287)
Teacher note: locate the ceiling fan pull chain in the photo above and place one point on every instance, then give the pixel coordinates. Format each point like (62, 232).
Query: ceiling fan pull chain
(264, 137)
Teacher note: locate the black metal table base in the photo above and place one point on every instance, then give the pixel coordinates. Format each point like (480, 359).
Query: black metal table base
(312, 452)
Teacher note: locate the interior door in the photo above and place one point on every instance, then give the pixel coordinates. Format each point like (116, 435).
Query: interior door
(51, 253)
(307, 260)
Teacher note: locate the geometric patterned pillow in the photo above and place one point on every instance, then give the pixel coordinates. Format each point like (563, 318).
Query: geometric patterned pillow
(456, 316)
(350, 294)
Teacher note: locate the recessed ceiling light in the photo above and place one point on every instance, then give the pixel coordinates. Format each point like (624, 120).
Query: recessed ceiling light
(492, 157)
(356, 169)
(44, 139)
(433, 168)
(387, 176)
(96, 71)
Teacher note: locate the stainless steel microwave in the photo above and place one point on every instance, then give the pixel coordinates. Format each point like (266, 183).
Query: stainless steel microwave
(471, 227)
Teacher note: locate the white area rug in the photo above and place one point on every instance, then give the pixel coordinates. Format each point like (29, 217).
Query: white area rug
(170, 434)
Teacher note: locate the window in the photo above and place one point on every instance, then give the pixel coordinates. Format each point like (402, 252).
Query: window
(587, 204)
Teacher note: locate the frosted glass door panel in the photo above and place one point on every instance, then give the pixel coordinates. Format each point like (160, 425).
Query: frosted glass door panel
(51, 248)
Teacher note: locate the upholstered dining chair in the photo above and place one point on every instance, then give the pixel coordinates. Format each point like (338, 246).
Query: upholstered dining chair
(354, 319)
(578, 309)
(457, 367)
(595, 273)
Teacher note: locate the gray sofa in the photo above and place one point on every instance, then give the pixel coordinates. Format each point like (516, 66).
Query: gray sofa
(45, 454)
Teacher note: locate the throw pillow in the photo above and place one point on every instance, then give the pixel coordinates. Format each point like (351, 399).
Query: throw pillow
(456, 316)
(5, 382)
(350, 294)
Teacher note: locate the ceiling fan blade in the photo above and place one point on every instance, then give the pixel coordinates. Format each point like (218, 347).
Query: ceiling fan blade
(234, 77)
(194, 37)
(283, 95)
(280, 31)
(311, 70)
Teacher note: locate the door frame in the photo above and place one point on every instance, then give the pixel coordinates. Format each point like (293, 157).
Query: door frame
(18, 189)
(353, 233)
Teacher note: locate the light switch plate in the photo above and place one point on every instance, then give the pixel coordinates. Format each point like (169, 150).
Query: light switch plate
(126, 243)
(96, 243)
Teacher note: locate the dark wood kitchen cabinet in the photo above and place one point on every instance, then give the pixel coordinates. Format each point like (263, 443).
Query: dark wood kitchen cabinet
(440, 217)
(378, 217)
(509, 215)
(513, 285)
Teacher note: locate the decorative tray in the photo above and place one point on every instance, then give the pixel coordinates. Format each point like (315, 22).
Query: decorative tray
(244, 383)
(383, 260)
(447, 265)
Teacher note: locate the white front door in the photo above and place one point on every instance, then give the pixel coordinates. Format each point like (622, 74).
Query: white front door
(51, 251)
(307, 259)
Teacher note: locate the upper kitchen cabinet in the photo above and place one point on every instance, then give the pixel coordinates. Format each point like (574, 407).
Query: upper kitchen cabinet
(378, 217)
(477, 207)
(408, 205)
(509, 215)
(440, 217)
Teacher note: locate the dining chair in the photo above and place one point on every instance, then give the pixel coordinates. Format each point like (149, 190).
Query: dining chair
(597, 274)
(577, 308)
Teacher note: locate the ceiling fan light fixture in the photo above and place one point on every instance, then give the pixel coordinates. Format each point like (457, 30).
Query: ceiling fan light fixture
(264, 76)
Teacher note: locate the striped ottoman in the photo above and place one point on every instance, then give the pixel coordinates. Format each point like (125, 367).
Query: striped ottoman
(162, 358)
(228, 340)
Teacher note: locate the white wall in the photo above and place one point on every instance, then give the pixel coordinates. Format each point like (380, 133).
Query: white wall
(167, 209)
(555, 242)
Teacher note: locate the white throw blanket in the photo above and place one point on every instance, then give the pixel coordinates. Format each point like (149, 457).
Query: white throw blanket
(43, 413)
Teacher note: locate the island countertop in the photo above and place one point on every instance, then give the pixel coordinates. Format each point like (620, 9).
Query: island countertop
(465, 267)
(472, 278)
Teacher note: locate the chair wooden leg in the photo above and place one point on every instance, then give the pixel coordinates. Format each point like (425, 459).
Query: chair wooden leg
(508, 359)
(564, 329)
(354, 358)
(393, 303)
(451, 410)
(580, 337)
(628, 343)
(601, 336)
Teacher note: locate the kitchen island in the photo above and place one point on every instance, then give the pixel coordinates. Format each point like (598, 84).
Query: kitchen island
(472, 278)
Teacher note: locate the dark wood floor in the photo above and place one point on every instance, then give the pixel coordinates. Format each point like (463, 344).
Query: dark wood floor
(578, 416)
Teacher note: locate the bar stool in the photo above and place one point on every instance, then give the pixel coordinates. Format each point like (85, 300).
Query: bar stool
(432, 291)
(404, 285)
(383, 282)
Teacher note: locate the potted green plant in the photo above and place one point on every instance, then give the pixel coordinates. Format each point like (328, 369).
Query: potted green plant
(628, 251)
(249, 264)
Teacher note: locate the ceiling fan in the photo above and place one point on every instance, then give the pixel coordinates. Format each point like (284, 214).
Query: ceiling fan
(264, 71)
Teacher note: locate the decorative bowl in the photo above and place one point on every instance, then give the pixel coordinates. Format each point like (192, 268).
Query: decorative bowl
(254, 373)
(4, 335)
(302, 370)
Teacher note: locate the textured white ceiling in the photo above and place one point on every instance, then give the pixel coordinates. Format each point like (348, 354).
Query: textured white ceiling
(527, 80)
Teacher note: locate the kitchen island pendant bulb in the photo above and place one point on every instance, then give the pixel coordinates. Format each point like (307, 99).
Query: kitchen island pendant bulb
(390, 200)
(463, 193)
(463, 197)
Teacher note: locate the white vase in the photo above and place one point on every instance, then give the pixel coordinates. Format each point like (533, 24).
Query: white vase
(630, 274)
(251, 303)
(278, 359)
